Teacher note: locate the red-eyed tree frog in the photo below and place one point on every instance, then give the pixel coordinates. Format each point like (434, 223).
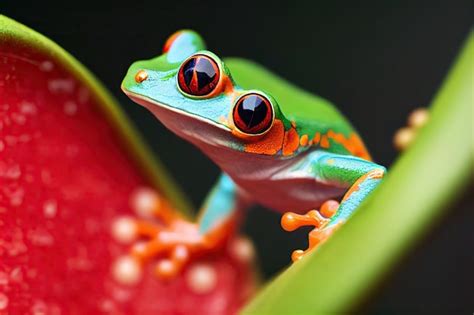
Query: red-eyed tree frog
(277, 146)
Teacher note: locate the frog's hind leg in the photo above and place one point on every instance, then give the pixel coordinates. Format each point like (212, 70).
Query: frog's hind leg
(360, 176)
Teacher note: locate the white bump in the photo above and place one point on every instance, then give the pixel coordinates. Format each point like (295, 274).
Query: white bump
(127, 270)
(46, 66)
(3, 301)
(3, 278)
(181, 253)
(242, 249)
(165, 266)
(139, 247)
(201, 278)
(418, 118)
(28, 108)
(124, 230)
(16, 275)
(50, 208)
(39, 308)
(145, 201)
(61, 85)
(70, 108)
(403, 137)
(107, 306)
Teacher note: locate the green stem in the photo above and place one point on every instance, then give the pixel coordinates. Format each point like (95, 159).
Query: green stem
(417, 190)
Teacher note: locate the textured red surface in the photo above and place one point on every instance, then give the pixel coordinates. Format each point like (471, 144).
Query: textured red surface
(64, 177)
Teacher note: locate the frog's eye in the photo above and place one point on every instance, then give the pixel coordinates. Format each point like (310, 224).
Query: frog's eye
(253, 114)
(198, 76)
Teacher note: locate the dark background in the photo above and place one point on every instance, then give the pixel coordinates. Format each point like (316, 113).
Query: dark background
(376, 60)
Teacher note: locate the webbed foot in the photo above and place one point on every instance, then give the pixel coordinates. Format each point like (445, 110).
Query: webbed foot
(319, 219)
(162, 237)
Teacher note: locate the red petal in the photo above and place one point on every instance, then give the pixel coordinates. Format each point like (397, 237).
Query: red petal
(65, 175)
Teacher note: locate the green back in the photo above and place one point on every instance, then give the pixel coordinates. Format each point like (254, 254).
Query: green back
(310, 112)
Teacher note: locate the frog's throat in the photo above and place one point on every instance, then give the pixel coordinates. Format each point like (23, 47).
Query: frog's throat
(200, 131)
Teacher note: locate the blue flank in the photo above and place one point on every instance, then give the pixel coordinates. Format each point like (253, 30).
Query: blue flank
(353, 202)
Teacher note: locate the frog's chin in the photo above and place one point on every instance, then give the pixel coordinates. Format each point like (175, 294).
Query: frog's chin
(200, 131)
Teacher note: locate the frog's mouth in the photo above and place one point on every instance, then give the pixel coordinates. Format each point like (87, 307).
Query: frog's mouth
(196, 129)
(148, 102)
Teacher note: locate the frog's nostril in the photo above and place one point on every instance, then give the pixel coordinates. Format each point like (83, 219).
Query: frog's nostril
(141, 76)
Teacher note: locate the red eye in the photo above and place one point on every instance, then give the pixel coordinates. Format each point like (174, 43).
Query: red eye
(198, 76)
(253, 114)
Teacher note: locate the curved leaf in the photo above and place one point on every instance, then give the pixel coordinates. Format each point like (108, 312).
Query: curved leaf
(422, 183)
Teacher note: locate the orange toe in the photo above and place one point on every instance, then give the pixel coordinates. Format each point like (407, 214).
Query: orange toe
(292, 221)
(160, 236)
(319, 219)
(329, 208)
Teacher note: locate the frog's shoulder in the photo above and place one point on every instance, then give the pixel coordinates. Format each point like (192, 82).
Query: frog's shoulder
(316, 120)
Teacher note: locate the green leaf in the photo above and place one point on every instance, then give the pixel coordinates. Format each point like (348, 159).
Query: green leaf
(417, 190)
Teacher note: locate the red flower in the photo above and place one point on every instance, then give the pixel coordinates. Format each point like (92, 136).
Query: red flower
(67, 173)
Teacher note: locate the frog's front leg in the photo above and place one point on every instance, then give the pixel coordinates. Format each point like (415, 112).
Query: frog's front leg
(171, 242)
(361, 177)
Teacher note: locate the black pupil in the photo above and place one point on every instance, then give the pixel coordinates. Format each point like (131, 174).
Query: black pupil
(205, 72)
(252, 110)
(188, 70)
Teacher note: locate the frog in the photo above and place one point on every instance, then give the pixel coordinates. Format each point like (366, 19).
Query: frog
(277, 146)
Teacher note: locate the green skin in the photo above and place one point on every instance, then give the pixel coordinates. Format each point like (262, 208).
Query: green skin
(299, 181)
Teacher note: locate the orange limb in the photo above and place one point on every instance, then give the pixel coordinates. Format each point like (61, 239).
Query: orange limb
(174, 245)
(319, 219)
(165, 237)
(316, 237)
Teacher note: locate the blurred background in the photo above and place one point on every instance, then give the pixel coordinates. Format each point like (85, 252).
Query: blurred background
(377, 61)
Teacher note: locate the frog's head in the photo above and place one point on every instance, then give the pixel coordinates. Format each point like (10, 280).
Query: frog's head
(190, 90)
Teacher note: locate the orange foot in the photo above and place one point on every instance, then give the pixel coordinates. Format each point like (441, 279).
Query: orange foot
(319, 219)
(163, 237)
(406, 135)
